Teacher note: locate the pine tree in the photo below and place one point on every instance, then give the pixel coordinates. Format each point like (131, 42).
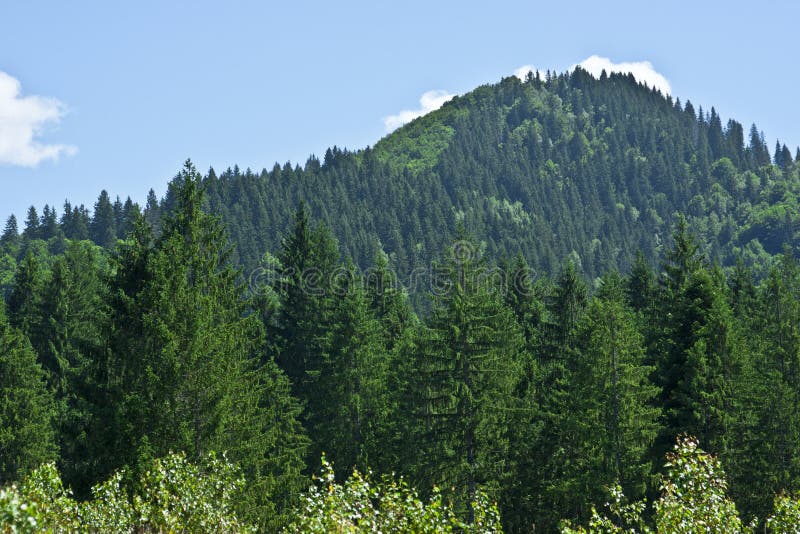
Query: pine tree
(775, 435)
(640, 285)
(48, 227)
(621, 422)
(347, 414)
(152, 211)
(27, 438)
(130, 212)
(560, 470)
(696, 366)
(388, 301)
(23, 302)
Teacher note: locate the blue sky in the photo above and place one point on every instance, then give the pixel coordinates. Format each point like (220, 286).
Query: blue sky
(125, 93)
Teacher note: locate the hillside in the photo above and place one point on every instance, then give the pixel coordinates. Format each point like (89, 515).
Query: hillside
(570, 166)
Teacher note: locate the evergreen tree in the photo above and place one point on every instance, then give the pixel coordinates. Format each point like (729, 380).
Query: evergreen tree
(23, 302)
(388, 301)
(9, 240)
(185, 369)
(152, 210)
(467, 367)
(347, 414)
(696, 366)
(102, 229)
(130, 213)
(307, 260)
(621, 422)
(26, 408)
(32, 230)
(48, 227)
(75, 222)
(774, 434)
(70, 342)
(640, 285)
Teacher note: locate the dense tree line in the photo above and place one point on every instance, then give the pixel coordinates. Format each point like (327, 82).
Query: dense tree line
(557, 167)
(536, 391)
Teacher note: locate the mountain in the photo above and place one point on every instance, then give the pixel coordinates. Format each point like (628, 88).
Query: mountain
(561, 167)
(568, 166)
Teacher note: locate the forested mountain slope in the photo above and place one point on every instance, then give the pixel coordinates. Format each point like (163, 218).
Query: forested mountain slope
(568, 166)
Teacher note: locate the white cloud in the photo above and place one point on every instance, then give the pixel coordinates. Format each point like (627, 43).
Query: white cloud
(22, 121)
(429, 101)
(643, 71)
(523, 71)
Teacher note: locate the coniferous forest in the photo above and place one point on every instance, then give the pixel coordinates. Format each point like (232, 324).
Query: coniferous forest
(503, 315)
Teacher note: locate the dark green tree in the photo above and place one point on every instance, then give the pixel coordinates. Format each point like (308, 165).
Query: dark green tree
(103, 228)
(467, 368)
(348, 412)
(9, 240)
(302, 329)
(23, 302)
(697, 367)
(27, 438)
(70, 343)
(619, 421)
(32, 230)
(186, 368)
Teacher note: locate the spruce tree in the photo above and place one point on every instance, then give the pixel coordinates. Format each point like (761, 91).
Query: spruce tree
(302, 330)
(70, 344)
(348, 412)
(103, 228)
(621, 422)
(388, 301)
(27, 438)
(467, 367)
(9, 240)
(32, 230)
(23, 302)
(187, 371)
(696, 366)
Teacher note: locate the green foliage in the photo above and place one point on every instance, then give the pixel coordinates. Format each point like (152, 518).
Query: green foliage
(786, 516)
(693, 499)
(362, 505)
(694, 494)
(172, 495)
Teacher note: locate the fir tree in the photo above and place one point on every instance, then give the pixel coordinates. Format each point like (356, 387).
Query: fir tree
(307, 260)
(23, 302)
(69, 342)
(349, 408)
(621, 421)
